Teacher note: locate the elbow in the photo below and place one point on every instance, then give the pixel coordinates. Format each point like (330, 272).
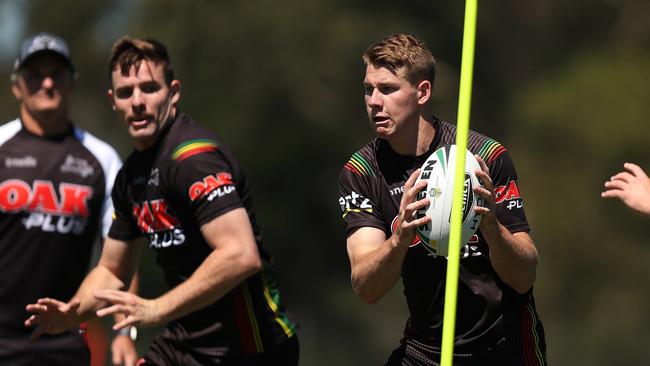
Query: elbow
(526, 283)
(250, 264)
(367, 296)
(522, 288)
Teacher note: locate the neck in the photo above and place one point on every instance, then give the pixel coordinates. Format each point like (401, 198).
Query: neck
(44, 124)
(143, 144)
(417, 139)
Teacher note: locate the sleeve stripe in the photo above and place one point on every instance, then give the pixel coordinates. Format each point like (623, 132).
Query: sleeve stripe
(360, 164)
(490, 151)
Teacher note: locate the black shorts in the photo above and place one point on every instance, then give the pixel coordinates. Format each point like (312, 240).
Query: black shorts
(65, 351)
(508, 353)
(164, 353)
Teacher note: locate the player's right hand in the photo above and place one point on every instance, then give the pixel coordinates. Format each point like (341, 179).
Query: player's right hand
(407, 222)
(51, 316)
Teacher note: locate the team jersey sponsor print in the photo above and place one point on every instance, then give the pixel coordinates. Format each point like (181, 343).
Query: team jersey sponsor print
(212, 186)
(64, 212)
(354, 202)
(508, 194)
(153, 219)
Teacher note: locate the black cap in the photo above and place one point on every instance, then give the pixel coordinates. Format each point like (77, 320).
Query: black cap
(43, 42)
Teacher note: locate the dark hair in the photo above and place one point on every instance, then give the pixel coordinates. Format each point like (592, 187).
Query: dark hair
(403, 51)
(129, 52)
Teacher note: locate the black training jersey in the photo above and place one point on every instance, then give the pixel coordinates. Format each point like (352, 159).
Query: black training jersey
(489, 311)
(167, 192)
(53, 201)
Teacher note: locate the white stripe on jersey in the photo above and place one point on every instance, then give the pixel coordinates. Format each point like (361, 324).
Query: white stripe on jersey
(111, 164)
(9, 130)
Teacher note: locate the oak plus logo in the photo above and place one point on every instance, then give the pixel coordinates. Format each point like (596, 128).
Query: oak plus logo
(211, 187)
(508, 194)
(65, 212)
(162, 227)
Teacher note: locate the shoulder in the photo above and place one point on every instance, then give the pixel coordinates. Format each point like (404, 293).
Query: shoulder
(487, 148)
(9, 130)
(102, 151)
(187, 138)
(362, 162)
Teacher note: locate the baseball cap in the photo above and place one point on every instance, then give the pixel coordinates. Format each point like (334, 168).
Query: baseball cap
(43, 42)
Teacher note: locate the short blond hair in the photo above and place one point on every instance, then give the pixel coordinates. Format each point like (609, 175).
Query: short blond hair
(403, 52)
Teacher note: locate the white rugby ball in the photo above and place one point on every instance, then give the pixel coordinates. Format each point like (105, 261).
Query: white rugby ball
(438, 170)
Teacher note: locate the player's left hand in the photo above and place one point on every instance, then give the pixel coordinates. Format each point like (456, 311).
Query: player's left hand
(488, 210)
(136, 310)
(51, 316)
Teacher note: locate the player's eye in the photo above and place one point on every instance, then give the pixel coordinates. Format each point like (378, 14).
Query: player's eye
(123, 93)
(387, 89)
(150, 87)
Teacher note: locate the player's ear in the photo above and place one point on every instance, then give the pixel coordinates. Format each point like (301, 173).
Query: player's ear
(424, 88)
(111, 101)
(15, 89)
(175, 91)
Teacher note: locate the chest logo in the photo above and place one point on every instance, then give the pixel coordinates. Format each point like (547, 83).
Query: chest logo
(16, 195)
(162, 227)
(24, 162)
(154, 177)
(77, 166)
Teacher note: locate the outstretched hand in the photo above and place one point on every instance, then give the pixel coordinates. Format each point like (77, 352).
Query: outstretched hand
(136, 310)
(52, 316)
(631, 186)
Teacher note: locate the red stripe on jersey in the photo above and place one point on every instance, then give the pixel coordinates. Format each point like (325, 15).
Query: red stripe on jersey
(243, 322)
(500, 150)
(351, 168)
(195, 151)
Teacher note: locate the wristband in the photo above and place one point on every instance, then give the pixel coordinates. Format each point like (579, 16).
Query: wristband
(131, 332)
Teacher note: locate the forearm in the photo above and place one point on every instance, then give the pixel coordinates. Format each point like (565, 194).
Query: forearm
(99, 278)
(513, 258)
(375, 273)
(219, 273)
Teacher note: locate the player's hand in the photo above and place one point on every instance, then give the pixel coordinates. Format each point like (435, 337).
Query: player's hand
(123, 351)
(406, 221)
(631, 186)
(136, 310)
(489, 223)
(51, 316)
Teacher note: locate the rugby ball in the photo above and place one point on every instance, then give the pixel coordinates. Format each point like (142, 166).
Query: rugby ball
(438, 170)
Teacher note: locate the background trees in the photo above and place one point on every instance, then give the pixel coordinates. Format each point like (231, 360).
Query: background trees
(561, 84)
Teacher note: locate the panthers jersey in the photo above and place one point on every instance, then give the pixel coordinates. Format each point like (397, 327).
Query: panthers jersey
(54, 200)
(491, 315)
(166, 193)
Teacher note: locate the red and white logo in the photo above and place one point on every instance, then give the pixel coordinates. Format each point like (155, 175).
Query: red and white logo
(506, 193)
(16, 195)
(164, 229)
(152, 216)
(212, 186)
(509, 193)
